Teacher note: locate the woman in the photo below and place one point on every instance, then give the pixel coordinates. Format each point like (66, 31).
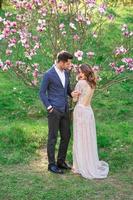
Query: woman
(85, 153)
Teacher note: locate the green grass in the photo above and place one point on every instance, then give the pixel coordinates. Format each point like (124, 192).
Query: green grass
(23, 137)
(27, 183)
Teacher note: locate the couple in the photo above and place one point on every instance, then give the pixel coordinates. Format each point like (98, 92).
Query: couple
(54, 92)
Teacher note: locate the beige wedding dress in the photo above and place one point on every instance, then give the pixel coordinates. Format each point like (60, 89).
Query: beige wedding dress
(85, 152)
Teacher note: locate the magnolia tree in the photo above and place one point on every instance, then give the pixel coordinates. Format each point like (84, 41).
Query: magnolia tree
(36, 30)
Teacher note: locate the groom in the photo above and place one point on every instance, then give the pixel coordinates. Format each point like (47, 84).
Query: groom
(54, 93)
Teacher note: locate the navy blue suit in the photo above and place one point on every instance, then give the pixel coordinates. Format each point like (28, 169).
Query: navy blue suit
(53, 93)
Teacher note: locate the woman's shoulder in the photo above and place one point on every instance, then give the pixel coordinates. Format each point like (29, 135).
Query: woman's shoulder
(84, 85)
(82, 82)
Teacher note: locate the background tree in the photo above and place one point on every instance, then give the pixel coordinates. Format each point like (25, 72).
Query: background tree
(1, 2)
(37, 30)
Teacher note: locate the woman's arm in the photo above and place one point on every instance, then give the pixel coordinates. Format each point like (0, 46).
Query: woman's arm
(78, 91)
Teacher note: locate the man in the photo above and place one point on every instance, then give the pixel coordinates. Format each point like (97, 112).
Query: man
(54, 93)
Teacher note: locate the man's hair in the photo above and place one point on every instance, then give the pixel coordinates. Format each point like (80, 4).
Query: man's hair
(64, 56)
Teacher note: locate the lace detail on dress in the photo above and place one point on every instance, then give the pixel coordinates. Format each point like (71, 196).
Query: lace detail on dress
(86, 92)
(85, 153)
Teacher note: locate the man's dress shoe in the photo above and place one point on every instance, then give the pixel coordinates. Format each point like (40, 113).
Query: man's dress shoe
(55, 169)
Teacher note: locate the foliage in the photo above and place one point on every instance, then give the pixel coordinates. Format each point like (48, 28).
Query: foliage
(37, 30)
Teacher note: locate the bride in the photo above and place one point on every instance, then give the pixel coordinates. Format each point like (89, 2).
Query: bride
(85, 152)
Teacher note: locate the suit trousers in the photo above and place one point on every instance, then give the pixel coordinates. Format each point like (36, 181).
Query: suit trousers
(58, 121)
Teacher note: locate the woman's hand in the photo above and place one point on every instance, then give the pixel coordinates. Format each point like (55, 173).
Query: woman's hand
(75, 94)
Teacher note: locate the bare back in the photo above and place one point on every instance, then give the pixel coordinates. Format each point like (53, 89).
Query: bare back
(86, 93)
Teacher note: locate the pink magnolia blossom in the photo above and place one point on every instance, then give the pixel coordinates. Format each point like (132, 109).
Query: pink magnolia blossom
(27, 70)
(30, 53)
(131, 33)
(75, 68)
(112, 65)
(2, 37)
(125, 30)
(130, 66)
(27, 55)
(129, 63)
(42, 25)
(8, 63)
(23, 38)
(91, 3)
(23, 4)
(126, 34)
(6, 32)
(119, 70)
(13, 30)
(43, 11)
(26, 45)
(12, 42)
(7, 23)
(94, 34)
(7, 14)
(124, 27)
(18, 63)
(42, 22)
(40, 28)
(79, 54)
(35, 65)
(37, 45)
(14, 24)
(35, 73)
(29, 6)
(102, 8)
(35, 38)
(52, 2)
(20, 17)
(37, 2)
(1, 64)
(99, 78)
(35, 81)
(63, 33)
(111, 17)
(1, 19)
(8, 52)
(5, 68)
(61, 26)
(62, 6)
(120, 50)
(88, 21)
(96, 68)
(72, 25)
(76, 37)
(127, 60)
(90, 54)
(80, 18)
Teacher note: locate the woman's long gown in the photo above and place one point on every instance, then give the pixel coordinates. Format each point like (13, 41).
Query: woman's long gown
(85, 152)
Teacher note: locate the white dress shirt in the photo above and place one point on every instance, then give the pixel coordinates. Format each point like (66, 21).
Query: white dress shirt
(61, 74)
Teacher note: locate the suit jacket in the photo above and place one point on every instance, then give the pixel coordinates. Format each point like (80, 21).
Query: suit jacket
(52, 91)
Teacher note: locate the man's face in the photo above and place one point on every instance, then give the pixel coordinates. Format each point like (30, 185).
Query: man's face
(66, 65)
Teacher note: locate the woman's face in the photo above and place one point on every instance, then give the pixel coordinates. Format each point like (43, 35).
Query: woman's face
(81, 75)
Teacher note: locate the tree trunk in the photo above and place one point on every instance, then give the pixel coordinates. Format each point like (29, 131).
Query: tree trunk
(1, 1)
